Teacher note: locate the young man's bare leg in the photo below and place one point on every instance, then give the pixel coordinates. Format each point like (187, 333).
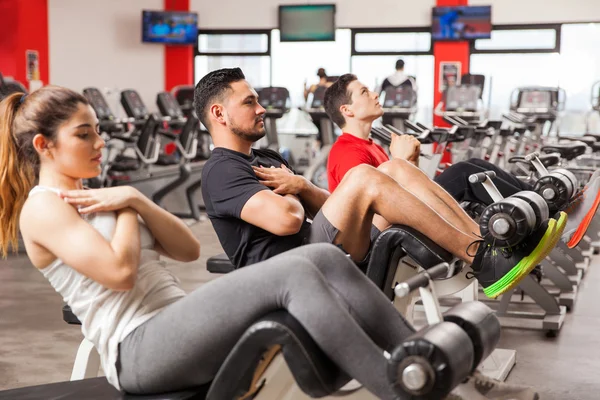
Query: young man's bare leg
(432, 194)
(364, 191)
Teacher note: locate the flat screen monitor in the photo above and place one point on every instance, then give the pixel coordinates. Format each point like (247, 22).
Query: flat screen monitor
(307, 23)
(536, 99)
(461, 23)
(169, 27)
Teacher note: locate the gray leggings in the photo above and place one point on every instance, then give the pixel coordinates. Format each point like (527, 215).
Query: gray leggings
(343, 311)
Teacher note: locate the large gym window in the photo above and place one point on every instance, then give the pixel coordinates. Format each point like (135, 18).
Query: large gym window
(374, 55)
(372, 70)
(296, 63)
(579, 70)
(506, 72)
(572, 63)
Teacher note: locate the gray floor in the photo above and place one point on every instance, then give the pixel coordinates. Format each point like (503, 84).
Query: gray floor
(37, 347)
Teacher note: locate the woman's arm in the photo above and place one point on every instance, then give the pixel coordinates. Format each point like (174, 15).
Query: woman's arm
(57, 227)
(173, 236)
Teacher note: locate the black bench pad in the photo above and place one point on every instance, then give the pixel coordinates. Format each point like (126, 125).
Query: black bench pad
(315, 374)
(588, 140)
(313, 371)
(219, 264)
(396, 242)
(547, 160)
(92, 389)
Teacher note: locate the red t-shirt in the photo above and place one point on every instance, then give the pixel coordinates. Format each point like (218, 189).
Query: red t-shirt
(349, 151)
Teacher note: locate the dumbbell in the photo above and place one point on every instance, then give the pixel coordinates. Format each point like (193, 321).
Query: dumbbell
(508, 222)
(557, 188)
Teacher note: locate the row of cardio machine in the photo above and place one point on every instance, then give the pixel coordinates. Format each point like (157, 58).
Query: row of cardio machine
(159, 155)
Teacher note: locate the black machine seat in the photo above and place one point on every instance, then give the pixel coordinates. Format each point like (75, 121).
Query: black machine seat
(92, 389)
(219, 264)
(567, 151)
(125, 164)
(404, 241)
(313, 371)
(547, 160)
(596, 136)
(588, 140)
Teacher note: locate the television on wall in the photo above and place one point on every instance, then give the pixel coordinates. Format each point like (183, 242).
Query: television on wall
(461, 23)
(307, 22)
(169, 27)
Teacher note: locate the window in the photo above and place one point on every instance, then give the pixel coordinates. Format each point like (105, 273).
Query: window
(392, 42)
(257, 69)
(374, 56)
(250, 50)
(579, 69)
(233, 43)
(575, 69)
(523, 39)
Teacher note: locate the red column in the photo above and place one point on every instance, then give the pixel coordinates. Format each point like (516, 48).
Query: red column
(179, 65)
(448, 52)
(23, 26)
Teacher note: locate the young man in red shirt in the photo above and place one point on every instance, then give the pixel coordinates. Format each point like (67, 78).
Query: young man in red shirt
(351, 106)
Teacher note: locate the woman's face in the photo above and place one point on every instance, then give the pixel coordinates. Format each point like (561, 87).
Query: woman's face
(77, 152)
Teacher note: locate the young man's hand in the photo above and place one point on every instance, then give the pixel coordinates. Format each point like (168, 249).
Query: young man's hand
(281, 180)
(405, 147)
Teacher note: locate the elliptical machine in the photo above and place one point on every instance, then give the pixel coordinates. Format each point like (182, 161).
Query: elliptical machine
(133, 149)
(399, 105)
(542, 104)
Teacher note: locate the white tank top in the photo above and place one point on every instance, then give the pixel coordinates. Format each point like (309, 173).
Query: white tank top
(108, 316)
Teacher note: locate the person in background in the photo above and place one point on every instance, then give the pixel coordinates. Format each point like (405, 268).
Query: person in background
(322, 83)
(398, 78)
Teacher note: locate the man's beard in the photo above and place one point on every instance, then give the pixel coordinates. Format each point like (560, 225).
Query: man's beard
(249, 135)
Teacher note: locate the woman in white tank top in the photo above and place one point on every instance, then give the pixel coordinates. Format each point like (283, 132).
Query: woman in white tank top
(99, 249)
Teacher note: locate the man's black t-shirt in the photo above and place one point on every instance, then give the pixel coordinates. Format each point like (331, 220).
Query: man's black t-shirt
(228, 182)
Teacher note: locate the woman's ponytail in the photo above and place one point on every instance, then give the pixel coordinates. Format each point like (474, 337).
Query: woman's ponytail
(16, 174)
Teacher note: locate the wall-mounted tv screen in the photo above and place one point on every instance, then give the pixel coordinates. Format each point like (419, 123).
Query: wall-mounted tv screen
(307, 22)
(461, 23)
(169, 27)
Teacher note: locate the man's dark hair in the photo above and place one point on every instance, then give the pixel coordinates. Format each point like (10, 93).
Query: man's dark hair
(212, 87)
(336, 96)
(399, 64)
